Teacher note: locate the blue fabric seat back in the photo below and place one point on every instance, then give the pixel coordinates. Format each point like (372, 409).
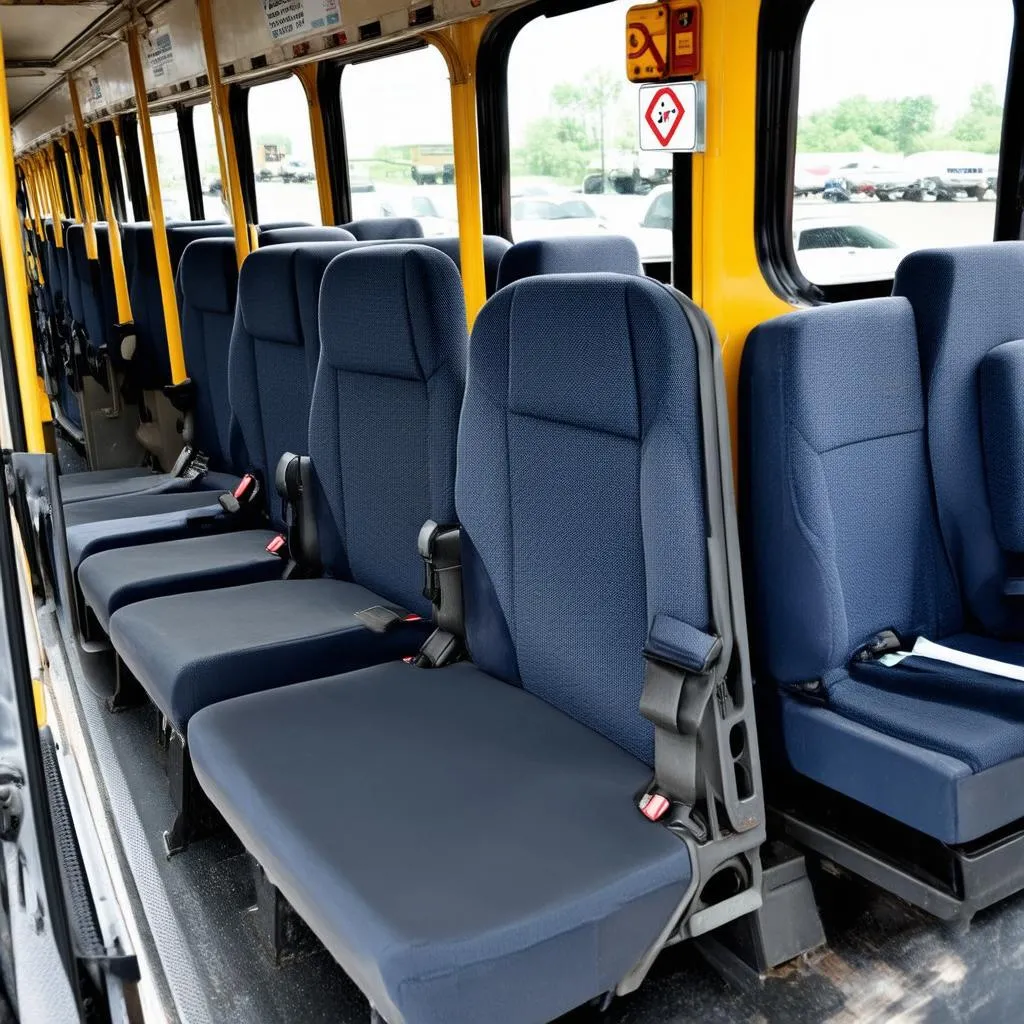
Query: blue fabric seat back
(54, 285)
(150, 365)
(966, 302)
(1001, 383)
(613, 254)
(375, 229)
(282, 236)
(840, 525)
(385, 412)
(179, 236)
(78, 268)
(268, 386)
(207, 288)
(495, 248)
(276, 225)
(580, 491)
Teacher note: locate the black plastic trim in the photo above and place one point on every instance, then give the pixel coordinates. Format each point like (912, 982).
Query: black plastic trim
(190, 158)
(238, 117)
(92, 156)
(108, 146)
(328, 86)
(9, 370)
(1010, 183)
(132, 155)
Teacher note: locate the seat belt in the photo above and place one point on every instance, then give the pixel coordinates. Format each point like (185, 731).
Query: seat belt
(925, 648)
(440, 548)
(298, 546)
(683, 672)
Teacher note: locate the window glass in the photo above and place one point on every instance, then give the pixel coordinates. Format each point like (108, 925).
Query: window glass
(170, 166)
(401, 164)
(905, 155)
(576, 163)
(282, 153)
(209, 166)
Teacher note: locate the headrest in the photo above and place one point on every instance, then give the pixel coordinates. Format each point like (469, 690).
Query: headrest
(282, 236)
(266, 295)
(1001, 381)
(612, 254)
(181, 235)
(208, 275)
(567, 348)
(277, 224)
(383, 228)
(495, 248)
(392, 310)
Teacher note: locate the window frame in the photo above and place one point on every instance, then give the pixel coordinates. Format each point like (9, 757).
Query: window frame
(780, 34)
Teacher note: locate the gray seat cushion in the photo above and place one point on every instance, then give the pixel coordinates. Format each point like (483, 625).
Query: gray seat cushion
(191, 650)
(466, 852)
(107, 483)
(112, 579)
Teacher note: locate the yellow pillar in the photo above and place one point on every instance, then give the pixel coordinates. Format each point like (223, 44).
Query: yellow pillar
(88, 204)
(307, 75)
(124, 306)
(156, 210)
(15, 280)
(459, 45)
(230, 181)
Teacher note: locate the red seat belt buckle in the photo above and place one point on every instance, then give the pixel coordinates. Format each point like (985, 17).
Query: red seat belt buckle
(244, 486)
(275, 546)
(653, 806)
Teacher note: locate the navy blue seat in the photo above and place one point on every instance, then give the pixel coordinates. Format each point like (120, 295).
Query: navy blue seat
(582, 525)
(114, 578)
(382, 444)
(378, 229)
(613, 254)
(282, 236)
(495, 248)
(844, 544)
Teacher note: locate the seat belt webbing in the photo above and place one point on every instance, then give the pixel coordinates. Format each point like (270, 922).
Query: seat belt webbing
(924, 648)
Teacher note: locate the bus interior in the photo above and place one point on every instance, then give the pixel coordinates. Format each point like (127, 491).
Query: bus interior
(513, 511)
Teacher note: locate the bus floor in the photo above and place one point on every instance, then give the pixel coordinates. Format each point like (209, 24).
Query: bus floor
(885, 960)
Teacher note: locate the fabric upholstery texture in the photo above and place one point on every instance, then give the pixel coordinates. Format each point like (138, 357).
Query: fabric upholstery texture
(613, 254)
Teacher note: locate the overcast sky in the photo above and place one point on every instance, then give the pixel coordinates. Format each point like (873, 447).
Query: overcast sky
(881, 48)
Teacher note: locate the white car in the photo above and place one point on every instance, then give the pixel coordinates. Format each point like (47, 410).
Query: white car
(433, 207)
(837, 252)
(547, 216)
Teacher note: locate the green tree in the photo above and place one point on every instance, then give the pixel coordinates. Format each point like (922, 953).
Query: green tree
(889, 126)
(981, 126)
(555, 147)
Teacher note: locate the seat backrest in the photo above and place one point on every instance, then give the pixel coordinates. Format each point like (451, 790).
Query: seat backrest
(54, 284)
(282, 236)
(268, 387)
(495, 248)
(179, 236)
(385, 412)
(78, 267)
(966, 302)
(276, 225)
(839, 523)
(207, 289)
(613, 254)
(580, 492)
(375, 229)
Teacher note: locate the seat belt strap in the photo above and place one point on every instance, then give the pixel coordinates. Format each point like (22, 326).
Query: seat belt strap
(681, 677)
(925, 648)
(440, 548)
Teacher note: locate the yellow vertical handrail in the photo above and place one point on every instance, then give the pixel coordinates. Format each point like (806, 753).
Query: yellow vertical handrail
(35, 197)
(88, 205)
(56, 200)
(459, 45)
(307, 75)
(15, 278)
(124, 306)
(156, 210)
(230, 181)
(69, 166)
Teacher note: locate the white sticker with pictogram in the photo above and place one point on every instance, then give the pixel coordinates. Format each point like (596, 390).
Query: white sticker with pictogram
(672, 117)
(289, 19)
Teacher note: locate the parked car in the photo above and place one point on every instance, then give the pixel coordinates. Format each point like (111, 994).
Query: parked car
(433, 207)
(949, 176)
(297, 170)
(871, 178)
(544, 216)
(839, 252)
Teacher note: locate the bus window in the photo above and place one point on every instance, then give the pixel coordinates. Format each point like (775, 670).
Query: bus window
(576, 164)
(402, 165)
(209, 164)
(170, 166)
(905, 156)
(282, 152)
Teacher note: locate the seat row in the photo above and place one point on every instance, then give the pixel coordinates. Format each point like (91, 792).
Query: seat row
(578, 464)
